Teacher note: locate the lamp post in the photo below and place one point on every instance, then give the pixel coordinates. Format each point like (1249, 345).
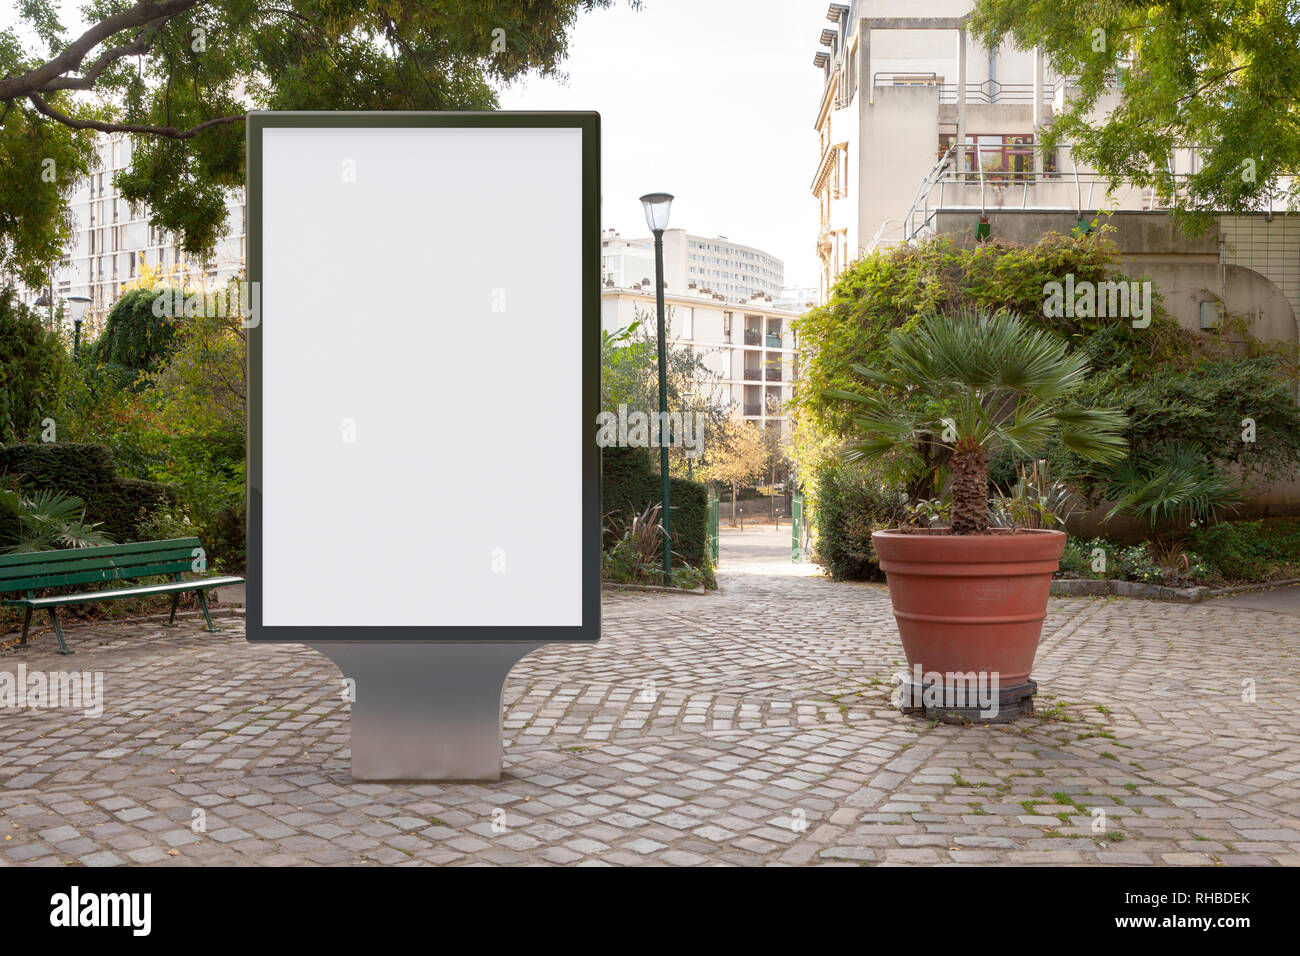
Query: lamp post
(656, 217)
(77, 308)
(46, 300)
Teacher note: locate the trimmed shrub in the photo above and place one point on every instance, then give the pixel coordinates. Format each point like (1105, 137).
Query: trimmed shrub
(846, 504)
(628, 484)
(122, 505)
(134, 340)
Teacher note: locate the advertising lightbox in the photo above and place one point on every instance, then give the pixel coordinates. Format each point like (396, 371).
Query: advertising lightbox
(423, 377)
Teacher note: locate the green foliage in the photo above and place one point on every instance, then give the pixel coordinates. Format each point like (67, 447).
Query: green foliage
(1173, 486)
(1172, 384)
(1078, 559)
(1204, 403)
(992, 380)
(636, 556)
(628, 485)
(134, 340)
(630, 376)
(201, 395)
(970, 383)
(182, 424)
(1172, 565)
(31, 367)
(42, 165)
(851, 503)
(1221, 74)
(1134, 564)
(44, 521)
(120, 505)
(183, 78)
(1033, 501)
(894, 288)
(1251, 550)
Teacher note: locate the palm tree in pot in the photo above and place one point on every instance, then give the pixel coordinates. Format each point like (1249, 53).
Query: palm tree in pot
(970, 601)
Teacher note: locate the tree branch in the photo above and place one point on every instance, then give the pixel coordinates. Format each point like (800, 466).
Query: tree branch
(139, 45)
(171, 132)
(145, 12)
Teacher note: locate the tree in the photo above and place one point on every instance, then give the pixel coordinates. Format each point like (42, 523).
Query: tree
(735, 455)
(134, 339)
(179, 76)
(31, 367)
(1219, 75)
(630, 377)
(973, 382)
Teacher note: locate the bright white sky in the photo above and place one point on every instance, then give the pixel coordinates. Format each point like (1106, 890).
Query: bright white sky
(711, 100)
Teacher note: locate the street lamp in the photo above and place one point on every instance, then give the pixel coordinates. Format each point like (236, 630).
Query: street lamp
(77, 308)
(657, 206)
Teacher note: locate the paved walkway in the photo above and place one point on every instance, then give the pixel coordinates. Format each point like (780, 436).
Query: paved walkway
(750, 726)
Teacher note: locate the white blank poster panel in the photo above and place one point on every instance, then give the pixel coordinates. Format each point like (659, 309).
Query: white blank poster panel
(422, 295)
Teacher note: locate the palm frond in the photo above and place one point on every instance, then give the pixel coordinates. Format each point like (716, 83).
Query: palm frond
(1176, 485)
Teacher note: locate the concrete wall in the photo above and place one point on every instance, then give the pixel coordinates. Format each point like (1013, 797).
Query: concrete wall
(899, 148)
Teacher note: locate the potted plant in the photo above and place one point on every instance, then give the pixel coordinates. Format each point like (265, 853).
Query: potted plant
(970, 599)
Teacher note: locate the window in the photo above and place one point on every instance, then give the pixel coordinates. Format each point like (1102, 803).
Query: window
(1002, 157)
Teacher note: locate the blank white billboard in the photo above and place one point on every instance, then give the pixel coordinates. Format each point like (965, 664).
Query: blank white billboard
(421, 376)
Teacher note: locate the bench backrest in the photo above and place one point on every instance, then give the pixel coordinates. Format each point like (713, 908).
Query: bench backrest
(105, 562)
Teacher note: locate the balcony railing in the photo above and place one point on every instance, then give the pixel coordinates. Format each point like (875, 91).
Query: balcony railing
(753, 408)
(773, 374)
(753, 337)
(773, 341)
(988, 91)
(754, 374)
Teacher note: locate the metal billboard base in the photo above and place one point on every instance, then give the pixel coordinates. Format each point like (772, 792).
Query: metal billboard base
(426, 711)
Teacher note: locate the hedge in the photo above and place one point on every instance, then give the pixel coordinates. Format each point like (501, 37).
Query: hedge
(628, 483)
(87, 471)
(849, 505)
(31, 359)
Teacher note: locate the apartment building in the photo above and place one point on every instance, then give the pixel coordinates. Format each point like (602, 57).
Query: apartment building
(749, 345)
(735, 271)
(922, 131)
(111, 238)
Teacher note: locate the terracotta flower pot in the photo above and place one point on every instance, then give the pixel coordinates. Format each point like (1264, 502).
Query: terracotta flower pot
(972, 603)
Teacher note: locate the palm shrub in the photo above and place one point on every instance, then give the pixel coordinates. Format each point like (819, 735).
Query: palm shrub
(973, 382)
(1174, 488)
(44, 520)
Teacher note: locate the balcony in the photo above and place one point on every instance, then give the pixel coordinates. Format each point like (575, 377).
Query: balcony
(753, 409)
(753, 337)
(773, 374)
(754, 374)
(986, 92)
(773, 341)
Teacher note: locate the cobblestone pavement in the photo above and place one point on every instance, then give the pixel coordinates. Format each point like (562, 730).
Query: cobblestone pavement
(746, 727)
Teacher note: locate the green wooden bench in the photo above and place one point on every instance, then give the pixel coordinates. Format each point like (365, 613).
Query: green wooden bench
(29, 573)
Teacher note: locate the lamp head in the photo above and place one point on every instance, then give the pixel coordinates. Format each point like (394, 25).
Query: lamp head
(657, 206)
(78, 305)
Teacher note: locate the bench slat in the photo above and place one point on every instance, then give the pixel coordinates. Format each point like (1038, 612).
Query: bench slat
(123, 563)
(99, 550)
(58, 600)
(91, 576)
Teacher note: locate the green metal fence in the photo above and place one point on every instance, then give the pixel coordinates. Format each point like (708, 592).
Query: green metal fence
(796, 529)
(713, 530)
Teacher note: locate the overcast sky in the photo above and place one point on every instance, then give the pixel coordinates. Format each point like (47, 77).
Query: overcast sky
(711, 100)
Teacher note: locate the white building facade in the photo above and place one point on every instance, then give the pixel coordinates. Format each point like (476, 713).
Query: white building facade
(735, 271)
(111, 239)
(921, 130)
(750, 346)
